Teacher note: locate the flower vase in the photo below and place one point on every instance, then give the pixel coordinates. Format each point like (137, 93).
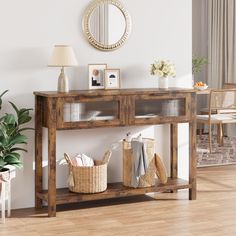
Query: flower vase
(163, 83)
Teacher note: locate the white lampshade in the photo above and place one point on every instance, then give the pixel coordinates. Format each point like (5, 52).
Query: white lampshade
(64, 56)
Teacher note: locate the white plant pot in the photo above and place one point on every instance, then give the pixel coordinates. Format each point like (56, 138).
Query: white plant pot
(163, 83)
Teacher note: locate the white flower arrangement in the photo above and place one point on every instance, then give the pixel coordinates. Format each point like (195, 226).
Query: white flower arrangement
(163, 69)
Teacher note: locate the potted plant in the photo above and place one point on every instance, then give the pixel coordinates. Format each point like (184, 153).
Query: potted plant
(197, 64)
(163, 69)
(11, 137)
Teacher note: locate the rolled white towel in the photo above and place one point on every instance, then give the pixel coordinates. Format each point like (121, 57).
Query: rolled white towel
(83, 160)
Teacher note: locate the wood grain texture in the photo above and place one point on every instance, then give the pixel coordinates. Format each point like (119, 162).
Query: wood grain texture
(114, 190)
(130, 113)
(97, 93)
(52, 107)
(192, 151)
(38, 149)
(174, 150)
(122, 110)
(214, 213)
(52, 157)
(161, 120)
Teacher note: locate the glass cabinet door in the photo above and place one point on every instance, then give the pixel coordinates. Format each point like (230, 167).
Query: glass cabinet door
(159, 109)
(91, 112)
(107, 111)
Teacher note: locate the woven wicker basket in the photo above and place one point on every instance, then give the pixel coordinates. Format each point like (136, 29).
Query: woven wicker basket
(88, 179)
(146, 180)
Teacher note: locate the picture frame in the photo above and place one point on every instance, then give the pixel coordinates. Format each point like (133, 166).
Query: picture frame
(96, 76)
(112, 78)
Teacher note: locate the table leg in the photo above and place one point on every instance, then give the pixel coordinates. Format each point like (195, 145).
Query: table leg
(192, 161)
(52, 158)
(51, 172)
(3, 194)
(9, 199)
(220, 134)
(192, 150)
(38, 151)
(174, 151)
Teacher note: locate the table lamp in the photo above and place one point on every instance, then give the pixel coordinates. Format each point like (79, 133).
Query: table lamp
(63, 56)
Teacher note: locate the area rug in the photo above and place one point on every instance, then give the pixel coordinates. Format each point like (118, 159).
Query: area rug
(225, 155)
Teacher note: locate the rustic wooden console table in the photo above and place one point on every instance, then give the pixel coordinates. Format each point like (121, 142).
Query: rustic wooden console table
(124, 107)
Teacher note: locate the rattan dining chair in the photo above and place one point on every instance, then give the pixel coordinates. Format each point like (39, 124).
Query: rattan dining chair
(229, 86)
(220, 128)
(224, 102)
(204, 111)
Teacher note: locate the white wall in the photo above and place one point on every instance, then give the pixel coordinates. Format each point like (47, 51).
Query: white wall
(29, 29)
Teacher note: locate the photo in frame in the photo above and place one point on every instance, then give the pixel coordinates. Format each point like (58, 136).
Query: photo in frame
(112, 78)
(96, 76)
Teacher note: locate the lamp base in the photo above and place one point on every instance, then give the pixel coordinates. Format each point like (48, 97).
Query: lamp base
(63, 86)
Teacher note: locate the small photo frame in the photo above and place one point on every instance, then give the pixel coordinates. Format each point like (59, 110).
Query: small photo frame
(112, 78)
(96, 76)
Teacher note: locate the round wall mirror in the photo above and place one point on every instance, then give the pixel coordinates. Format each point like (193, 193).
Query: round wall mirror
(106, 24)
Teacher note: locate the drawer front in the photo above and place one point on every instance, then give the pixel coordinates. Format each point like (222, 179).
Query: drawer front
(159, 109)
(89, 112)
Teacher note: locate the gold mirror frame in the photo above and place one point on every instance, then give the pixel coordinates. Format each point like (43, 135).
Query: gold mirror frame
(90, 37)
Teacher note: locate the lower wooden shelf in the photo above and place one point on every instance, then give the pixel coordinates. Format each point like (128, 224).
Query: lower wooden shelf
(114, 190)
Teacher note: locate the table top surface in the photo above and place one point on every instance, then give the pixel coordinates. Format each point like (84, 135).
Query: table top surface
(100, 92)
(205, 91)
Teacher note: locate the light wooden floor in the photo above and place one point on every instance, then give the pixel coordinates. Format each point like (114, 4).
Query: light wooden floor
(214, 213)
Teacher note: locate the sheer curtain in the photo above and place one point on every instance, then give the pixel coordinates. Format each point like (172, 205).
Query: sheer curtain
(221, 42)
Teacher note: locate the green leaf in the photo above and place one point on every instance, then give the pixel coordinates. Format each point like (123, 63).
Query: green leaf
(17, 165)
(23, 129)
(4, 93)
(14, 107)
(197, 63)
(4, 142)
(2, 118)
(1, 98)
(24, 110)
(3, 131)
(24, 119)
(23, 116)
(18, 139)
(18, 149)
(9, 119)
(12, 159)
(10, 135)
(14, 155)
(2, 163)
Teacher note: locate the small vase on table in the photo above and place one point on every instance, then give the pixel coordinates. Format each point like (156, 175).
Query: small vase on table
(163, 70)
(163, 82)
